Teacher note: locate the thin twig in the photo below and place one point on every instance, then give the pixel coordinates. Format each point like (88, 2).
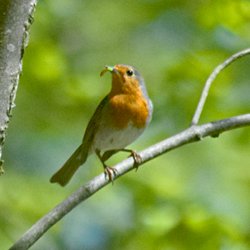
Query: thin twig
(189, 135)
(210, 80)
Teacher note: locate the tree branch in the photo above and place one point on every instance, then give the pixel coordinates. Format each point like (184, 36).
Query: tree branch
(210, 80)
(189, 135)
(15, 19)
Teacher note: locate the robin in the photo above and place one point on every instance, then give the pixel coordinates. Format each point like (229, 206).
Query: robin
(119, 119)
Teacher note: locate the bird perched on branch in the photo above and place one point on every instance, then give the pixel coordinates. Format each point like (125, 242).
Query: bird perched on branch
(119, 119)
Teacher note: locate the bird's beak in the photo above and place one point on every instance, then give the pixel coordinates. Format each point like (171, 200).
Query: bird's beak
(110, 69)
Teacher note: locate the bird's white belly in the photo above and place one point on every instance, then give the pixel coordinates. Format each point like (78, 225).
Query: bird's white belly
(110, 138)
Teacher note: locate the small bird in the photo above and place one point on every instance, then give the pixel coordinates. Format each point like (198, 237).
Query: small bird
(119, 119)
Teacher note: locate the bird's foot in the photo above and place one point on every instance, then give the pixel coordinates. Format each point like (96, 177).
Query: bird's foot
(137, 159)
(111, 173)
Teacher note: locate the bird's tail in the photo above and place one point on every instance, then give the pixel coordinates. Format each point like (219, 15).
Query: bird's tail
(64, 174)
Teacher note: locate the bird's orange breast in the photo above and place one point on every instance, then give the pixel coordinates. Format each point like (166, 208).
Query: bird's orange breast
(128, 108)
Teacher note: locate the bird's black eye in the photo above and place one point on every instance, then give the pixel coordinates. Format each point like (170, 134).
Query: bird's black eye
(130, 72)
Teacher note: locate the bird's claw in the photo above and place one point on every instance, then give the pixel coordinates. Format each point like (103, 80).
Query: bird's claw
(111, 173)
(137, 159)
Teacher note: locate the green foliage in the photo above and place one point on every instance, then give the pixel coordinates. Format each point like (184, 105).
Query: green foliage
(196, 197)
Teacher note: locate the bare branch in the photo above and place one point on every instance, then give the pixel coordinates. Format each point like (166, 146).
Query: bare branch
(189, 135)
(210, 80)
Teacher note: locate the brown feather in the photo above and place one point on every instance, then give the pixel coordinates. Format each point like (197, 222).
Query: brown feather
(64, 174)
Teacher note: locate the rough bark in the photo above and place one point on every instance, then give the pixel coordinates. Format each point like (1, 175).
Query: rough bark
(15, 19)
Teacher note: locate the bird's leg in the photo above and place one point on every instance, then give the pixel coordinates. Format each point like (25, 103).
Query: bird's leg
(137, 158)
(108, 171)
(106, 155)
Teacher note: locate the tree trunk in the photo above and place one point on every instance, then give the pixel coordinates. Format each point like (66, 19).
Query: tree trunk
(15, 19)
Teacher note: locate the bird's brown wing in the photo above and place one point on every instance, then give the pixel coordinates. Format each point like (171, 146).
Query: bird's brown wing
(93, 125)
(65, 173)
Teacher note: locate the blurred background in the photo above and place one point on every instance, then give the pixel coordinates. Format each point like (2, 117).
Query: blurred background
(195, 197)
